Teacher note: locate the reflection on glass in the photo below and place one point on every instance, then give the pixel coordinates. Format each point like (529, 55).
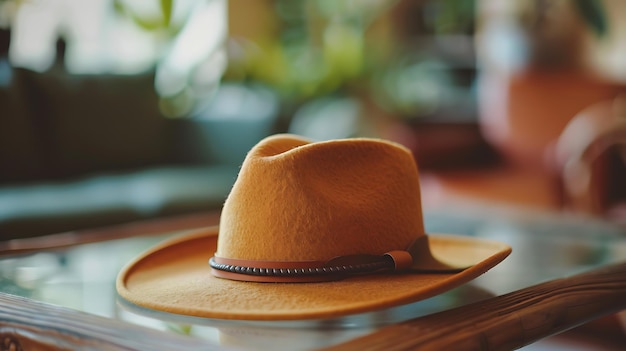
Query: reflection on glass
(544, 247)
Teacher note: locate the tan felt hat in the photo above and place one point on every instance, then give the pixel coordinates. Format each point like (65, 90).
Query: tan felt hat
(310, 230)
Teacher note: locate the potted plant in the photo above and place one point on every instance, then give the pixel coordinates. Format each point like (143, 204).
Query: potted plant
(538, 71)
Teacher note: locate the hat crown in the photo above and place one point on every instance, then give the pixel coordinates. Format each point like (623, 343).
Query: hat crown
(295, 200)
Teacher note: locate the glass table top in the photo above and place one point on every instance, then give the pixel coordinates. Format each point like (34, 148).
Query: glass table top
(545, 247)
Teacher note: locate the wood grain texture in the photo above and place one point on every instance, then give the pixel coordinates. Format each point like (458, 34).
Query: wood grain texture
(501, 323)
(29, 325)
(509, 321)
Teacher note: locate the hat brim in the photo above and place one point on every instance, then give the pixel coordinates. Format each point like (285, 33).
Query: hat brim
(175, 277)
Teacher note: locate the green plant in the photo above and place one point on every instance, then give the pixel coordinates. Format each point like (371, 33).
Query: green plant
(593, 14)
(159, 22)
(320, 47)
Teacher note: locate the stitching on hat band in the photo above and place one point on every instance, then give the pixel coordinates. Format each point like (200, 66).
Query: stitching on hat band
(303, 271)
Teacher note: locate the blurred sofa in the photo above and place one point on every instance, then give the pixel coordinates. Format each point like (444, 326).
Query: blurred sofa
(86, 151)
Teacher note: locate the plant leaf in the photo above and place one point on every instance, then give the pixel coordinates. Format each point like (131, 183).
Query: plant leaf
(166, 9)
(593, 13)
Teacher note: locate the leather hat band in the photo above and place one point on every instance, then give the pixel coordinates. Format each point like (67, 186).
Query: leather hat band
(307, 271)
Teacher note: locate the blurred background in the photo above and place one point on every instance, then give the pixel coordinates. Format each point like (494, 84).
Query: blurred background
(118, 110)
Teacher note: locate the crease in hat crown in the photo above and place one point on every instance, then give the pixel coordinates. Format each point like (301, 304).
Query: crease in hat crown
(297, 200)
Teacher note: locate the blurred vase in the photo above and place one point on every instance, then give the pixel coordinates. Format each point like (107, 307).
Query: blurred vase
(524, 114)
(536, 75)
(237, 117)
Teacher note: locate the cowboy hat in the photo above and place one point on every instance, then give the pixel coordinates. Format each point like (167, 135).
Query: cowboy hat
(310, 230)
